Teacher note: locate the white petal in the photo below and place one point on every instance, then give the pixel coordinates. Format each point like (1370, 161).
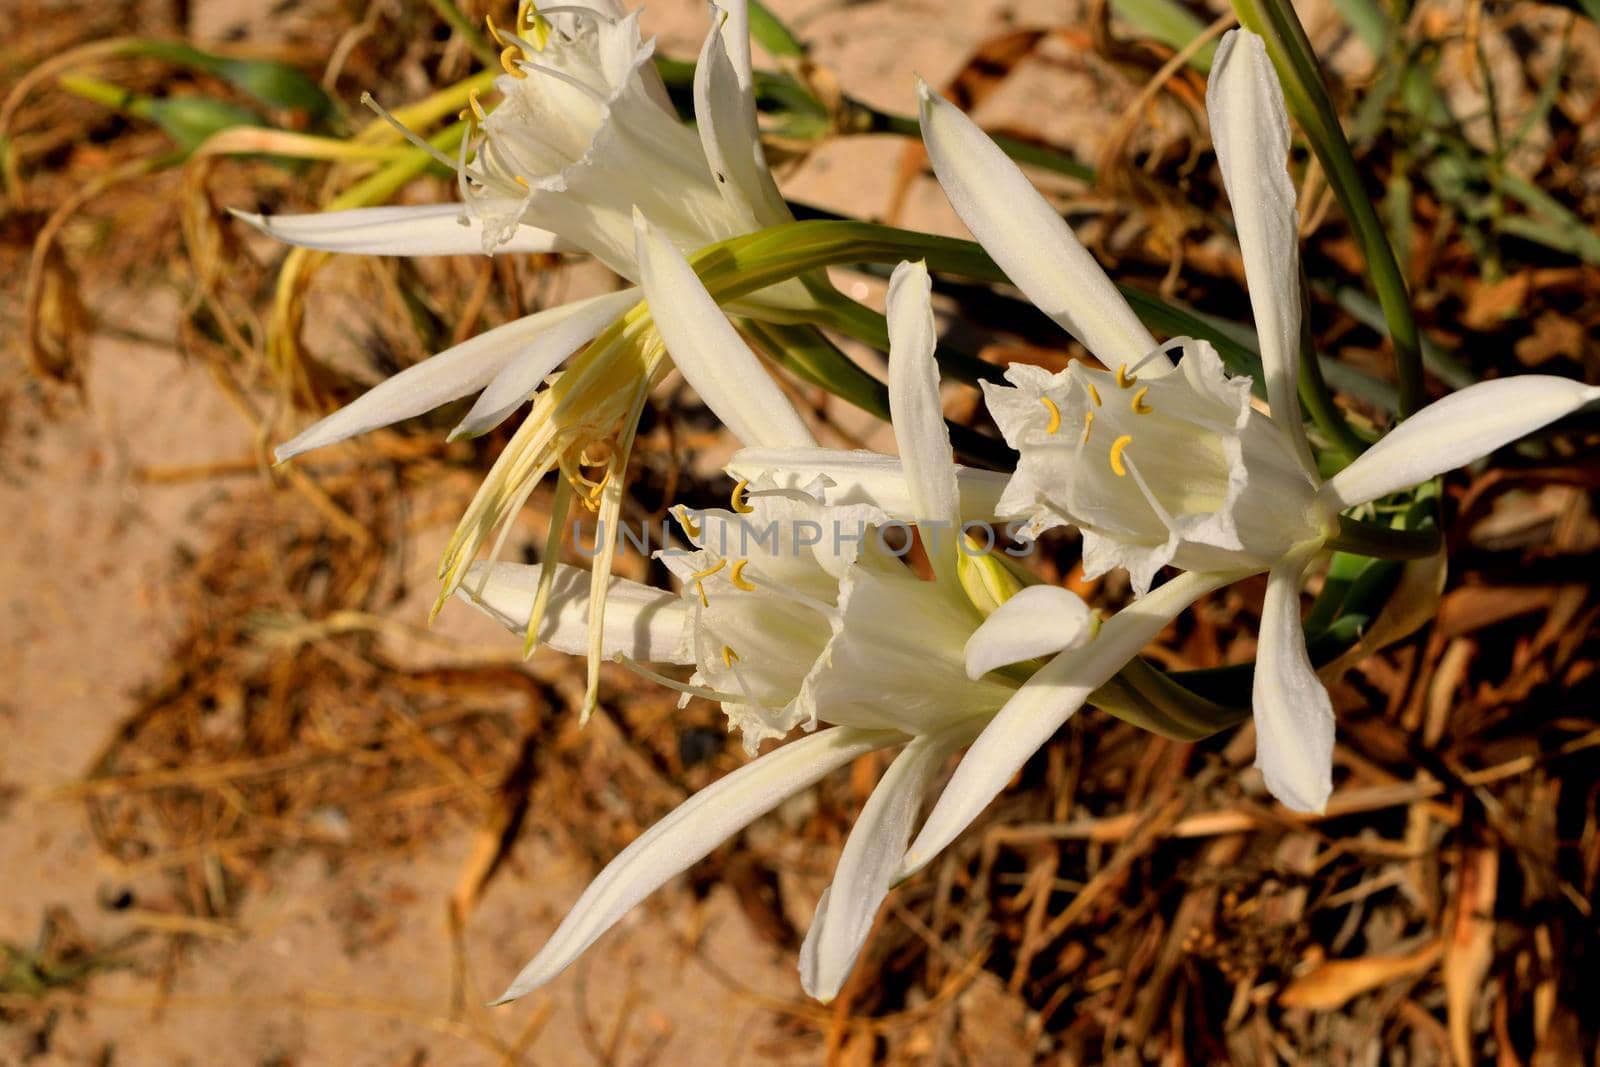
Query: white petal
(1250, 129)
(1457, 430)
(427, 230)
(439, 379)
(687, 835)
(861, 477)
(1047, 700)
(918, 417)
(1040, 620)
(1031, 242)
(867, 866)
(725, 112)
(641, 622)
(1294, 717)
(520, 377)
(709, 352)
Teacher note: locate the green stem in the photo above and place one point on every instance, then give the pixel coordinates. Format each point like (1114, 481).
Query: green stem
(1315, 397)
(861, 323)
(479, 45)
(1383, 542)
(1153, 700)
(1308, 100)
(811, 357)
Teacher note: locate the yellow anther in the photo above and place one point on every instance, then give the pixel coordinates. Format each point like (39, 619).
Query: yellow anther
(699, 587)
(1124, 379)
(709, 571)
(1116, 455)
(1139, 405)
(494, 31)
(1094, 394)
(738, 501)
(598, 488)
(1055, 414)
(476, 105)
(1088, 421)
(728, 656)
(689, 525)
(736, 576)
(511, 68)
(520, 180)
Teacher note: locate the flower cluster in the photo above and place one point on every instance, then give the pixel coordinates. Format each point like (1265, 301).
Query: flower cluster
(1152, 451)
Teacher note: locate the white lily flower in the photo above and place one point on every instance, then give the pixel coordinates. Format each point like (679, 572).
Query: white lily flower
(1160, 466)
(584, 136)
(793, 614)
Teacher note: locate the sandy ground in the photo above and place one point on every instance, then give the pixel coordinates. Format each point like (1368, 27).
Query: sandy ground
(93, 554)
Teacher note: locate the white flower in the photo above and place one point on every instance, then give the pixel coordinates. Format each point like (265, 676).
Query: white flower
(1160, 465)
(583, 137)
(793, 614)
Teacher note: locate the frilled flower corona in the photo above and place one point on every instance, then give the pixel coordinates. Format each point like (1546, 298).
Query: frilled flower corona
(795, 614)
(1159, 464)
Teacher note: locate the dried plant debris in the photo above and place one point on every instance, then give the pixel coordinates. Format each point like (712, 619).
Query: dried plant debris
(1127, 900)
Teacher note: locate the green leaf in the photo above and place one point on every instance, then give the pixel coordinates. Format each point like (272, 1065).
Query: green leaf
(770, 33)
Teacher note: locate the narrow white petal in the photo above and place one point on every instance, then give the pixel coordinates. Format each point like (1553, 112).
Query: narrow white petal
(709, 352)
(918, 417)
(1457, 430)
(687, 835)
(1250, 129)
(871, 856)
(1294, 717)
(735, 31)
(1040, 620)
(1047, 700)
(519, 378)
(861, 477)
(426, 230)
(450, 375)
(725, 113)
(641, 622)
(1031, 242)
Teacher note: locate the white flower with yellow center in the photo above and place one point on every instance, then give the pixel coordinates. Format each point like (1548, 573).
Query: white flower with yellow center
(794, 613)
(1161, 465)
(583, 137)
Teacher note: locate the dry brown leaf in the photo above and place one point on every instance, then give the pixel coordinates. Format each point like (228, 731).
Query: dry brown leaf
(1493, 303)
(1336, 982)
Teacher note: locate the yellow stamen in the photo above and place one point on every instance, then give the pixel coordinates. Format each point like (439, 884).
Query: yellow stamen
(1116, 455)
(1088, 421)
(689, 525)
(494, 31)
(739, 504)
(1139, 405)
(476, 105)
(511, 68)
(699, 587)
(520, 180)
(736, 576)
(1094, 394)
(1124, 379)
(594, 493)
(728, 656)
(1055, 414)
(709, 571)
